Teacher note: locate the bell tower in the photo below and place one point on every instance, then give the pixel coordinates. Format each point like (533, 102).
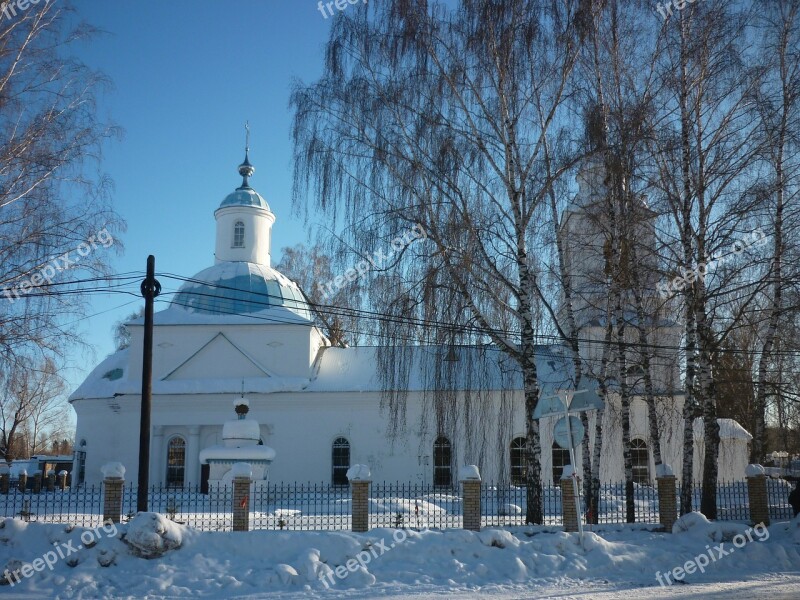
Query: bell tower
(244, 221)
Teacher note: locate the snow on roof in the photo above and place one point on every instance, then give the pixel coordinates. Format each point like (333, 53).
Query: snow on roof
(477, 368)
(110, 379)
(354, 370)
(729, 429)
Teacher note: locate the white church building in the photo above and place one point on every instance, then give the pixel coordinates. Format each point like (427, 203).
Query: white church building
(241, 329)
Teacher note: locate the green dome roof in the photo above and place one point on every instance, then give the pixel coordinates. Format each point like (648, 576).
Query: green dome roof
(240, 288)
(244, 194)
(244, 197)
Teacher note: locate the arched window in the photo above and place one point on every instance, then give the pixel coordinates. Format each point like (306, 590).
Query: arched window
(517, 462)
(442, 462)
(176, 461)
(560, 460)
(640, 461)
(238, 235)
(340, 459)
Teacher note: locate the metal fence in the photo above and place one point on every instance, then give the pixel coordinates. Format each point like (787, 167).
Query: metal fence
(310, 506)
(733, 500)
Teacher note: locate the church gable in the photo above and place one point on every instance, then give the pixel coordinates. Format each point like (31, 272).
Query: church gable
(219, 358)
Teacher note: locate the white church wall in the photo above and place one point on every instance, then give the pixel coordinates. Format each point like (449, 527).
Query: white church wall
(110, 430)
(301, 427)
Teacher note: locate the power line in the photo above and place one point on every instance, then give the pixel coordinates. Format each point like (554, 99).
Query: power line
(542, 339)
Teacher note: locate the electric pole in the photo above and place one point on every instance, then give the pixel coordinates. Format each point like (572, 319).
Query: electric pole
(150, 289)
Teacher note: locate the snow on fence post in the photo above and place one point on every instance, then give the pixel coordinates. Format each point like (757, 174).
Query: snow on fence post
(360, 478)
(569, 505)
(62, 480)
(667, 496)
(470, 478)
(757, 494)
(113, 483)
(242, 478)
(22, 484)
(5, 478)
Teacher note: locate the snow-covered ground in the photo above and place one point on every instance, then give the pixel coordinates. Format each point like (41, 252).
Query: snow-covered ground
(152, 556)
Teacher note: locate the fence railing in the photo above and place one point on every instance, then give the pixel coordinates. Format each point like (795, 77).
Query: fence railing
(321, 506)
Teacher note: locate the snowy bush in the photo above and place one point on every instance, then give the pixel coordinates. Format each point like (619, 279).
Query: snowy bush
(506, 510)
(690, 521)
(150, 535)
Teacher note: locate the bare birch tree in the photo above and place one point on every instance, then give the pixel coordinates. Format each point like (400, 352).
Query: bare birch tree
(777, 105)
(51, 201)
(439, 117)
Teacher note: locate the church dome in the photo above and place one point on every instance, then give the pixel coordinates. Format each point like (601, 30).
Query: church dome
(244, 194)
(244, 197)
(236, 288)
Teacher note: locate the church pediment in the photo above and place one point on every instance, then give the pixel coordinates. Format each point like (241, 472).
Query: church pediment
(219, 358)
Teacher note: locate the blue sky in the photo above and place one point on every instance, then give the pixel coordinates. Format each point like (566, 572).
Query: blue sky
(186, 75)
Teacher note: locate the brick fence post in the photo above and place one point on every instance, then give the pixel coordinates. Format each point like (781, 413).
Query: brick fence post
(5, 478)
(23, 481)
(470, 478)
(50, 481)
(242, 478)
(113, 484)
(37, 482)
(667, 501)
(360, 479)
(62, 480)
(757, 493)
(569, 507)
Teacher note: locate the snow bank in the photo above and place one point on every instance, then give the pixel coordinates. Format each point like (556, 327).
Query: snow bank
(451, 563)
(358, 473)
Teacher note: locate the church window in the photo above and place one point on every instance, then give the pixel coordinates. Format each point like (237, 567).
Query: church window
(340, 460)
(640, 461)
(442, 462)
(518, 467)
(176, 461)
(238, 235)
(560, 460)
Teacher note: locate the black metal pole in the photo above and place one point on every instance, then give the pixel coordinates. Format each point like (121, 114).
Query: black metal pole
(150, 289)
